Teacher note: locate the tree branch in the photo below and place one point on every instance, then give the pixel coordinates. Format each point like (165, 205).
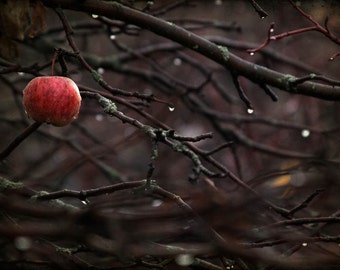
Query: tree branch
(219, 54)
(19, 139)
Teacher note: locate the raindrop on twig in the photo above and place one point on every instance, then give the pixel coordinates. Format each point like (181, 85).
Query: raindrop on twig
(250, 111)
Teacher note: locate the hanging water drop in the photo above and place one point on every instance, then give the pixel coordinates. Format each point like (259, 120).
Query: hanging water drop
(304, 244)
(112, 37)
(250, 111)
(171, 109)
(94, 16)
(252, 53)
(86, 202)
(305, 133)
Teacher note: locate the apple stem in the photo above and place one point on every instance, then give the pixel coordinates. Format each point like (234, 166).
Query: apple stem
(53, 62)
(29, 130)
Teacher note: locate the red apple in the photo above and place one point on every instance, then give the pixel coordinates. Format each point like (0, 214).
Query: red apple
(52, 99)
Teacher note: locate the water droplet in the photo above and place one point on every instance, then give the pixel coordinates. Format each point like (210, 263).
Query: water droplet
(99, 117)
(21, 73)
(262, 17)
(252, 53)
(271, 30)
(22, 243)
(305, 133)
(177, 61)
(184, 259)
(171, 109)
(156, 203)
(250, 111)
(101, 70)
(112, 37)
(94, 16)
(304, 244)
(218, 2)
(86, 202)
(147, 91)
(331, 59)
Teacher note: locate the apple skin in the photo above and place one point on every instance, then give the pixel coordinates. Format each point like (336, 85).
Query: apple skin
(52, 99)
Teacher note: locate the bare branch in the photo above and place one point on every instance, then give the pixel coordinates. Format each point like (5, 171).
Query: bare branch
(190, 40)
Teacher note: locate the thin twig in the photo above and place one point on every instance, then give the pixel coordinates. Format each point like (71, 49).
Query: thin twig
(241, 92)
(20, 138)
(262, 13)
(84, 194)
(306, 202)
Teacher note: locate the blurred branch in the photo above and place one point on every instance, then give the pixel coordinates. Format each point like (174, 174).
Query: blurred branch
(306, 202)
(19, 139)
(235, 134)
(301, 221)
